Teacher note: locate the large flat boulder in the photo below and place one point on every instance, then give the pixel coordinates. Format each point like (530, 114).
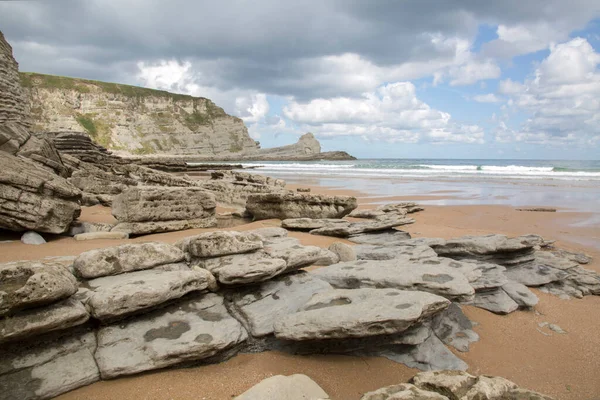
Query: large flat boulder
(27, 284)
(61, 315)
(340, 314)
(144, 209)
(193, 329)
(296, 205)
(220, 243)
(357, 228)
(399, 274)
(114, 297)
(386, 252)
(239, 269)
(46, 368)
(295, 255)
(279, 387)
(260, 306)
(389, 237)
(125, 258)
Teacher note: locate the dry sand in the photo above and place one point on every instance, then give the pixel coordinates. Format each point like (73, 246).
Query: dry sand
(564, 366)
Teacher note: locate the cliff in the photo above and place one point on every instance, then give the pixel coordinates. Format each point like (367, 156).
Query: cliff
(134, 119)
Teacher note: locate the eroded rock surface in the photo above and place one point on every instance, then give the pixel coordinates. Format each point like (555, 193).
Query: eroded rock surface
(299, 205)
(215, 244)
(279, 387)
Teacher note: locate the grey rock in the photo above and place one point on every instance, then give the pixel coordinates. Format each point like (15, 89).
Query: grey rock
(297, 205)
(45, 369)
(453, 384)
(101, 235)
(453, 328)
(220, 243)
(114, 297)
(61, 315)
(407, 207)
(367, 214)
(193, 329)
(258, 307)
(303, 190)
(145, 228)
(548, 259)
(386, 252)
(532, 274)
(125, 258)
(520, 294)
(496, 301)
(27, 284)
(430, 355)
(579, 258)
(343, 313)
(31, 237)
(355, 228)
(271, 232)
(492, 275)
(78, 227)
(327, 257)
(398, 274)
(307, 224)
(390, 237)
(295, 255)
(343, 251)
(241, 269)
(278, 387)
(403, 391)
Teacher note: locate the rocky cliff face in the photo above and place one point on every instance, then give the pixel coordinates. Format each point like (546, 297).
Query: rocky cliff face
(134, 119)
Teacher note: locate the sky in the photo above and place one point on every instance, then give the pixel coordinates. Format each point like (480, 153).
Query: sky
(380, 79)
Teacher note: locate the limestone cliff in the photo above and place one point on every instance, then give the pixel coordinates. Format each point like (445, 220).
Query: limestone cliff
(134, 119)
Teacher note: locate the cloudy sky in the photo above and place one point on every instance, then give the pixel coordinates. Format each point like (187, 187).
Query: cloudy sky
(386, 78)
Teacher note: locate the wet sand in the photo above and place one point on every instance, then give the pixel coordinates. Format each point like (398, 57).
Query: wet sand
(514, 346)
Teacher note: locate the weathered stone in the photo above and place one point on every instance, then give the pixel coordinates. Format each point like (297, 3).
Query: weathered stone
(101, 235)
(343, 251)
(45, 369)
(408, 207)
(260, 306)
(31, 237)
(452, 384)
(342, 314)
(35, 321)
(236, 193)
(430, 355)
(532, 274)
(389, 237)
(355, 228)
(453, 328)
(327, 257)
(193, 329)
(552, 260)
(125, 258)
(496, 301)
(403, 391)
(279, 387)
(155, 209)
(296, 205)
(78, 227)
(491, 275)
(114, 297)
(241, 269)
(386, 252)
(295, 255)
(489, 387)
(247, 177)
(220, 243)
(520, 294)
(307, 224)
(579, 258)
(270, 232)
(398, 274)
(27, 284)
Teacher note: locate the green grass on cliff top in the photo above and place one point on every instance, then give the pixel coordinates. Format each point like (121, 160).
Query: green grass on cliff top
(32, 79)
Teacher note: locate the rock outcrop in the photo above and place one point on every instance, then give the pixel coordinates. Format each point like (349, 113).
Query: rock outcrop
(299, 205)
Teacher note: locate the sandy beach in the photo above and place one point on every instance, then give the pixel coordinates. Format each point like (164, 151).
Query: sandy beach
(565, 366)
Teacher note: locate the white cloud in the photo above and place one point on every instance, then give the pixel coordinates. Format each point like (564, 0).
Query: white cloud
(562, 98)
(473, 71)
(487, 98)
(252, 109)
(391, 113)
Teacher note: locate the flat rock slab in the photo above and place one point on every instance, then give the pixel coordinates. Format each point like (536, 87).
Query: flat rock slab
(220, 243)
(307, 224)
(496, 301)
(532, 274)
(114, 297)
(193, 329)
(279, 387)
(453, 328)
(45, 369)
(343, 251)
(27, 284)
(403, 391)
(239, 269)
(61, 315)
(294, 254)
(355, 228)
(390, 252)
(101, 235)
(398, 274)
(125, 258)
(261, 305)
(299, 205)
(385, 238)
(520, 294)
(145, 228)
(355, 313)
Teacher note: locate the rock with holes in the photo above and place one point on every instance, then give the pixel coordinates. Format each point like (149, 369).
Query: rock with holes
(386, 238)
(114, 297)
(453, 328)
(195, 328)
(220, 243)
(295, 255)
(398, 274)
(496, 301)
(355, 228)
(125, 258)
(261, 305)
(343, 251)
(61, 315)
(239, 269)
(47, 367)
(340, 314)
(26, 284)
(279, 387)
(403, 391)
(520, 294)
(299, 205)
(146, 209)
(387, 252)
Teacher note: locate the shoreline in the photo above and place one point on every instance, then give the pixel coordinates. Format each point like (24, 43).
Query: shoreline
(512, 346)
